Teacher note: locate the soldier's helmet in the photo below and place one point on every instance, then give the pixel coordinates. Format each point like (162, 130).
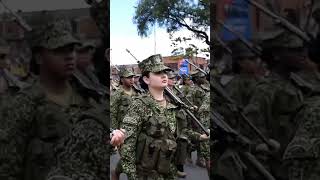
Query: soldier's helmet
(153, 64)
(4, 46)
(240, 50)
(125, 73)
(55, 34)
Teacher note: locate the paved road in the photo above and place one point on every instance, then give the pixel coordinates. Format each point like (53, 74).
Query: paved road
(194, 172)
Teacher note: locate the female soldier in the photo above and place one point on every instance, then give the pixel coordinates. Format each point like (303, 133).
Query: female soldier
(152, 126)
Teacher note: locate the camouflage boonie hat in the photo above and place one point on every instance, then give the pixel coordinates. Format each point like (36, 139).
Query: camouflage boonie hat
(198, 74)
(55, 34)
(4, 46)
(125, 73)
(153, 64)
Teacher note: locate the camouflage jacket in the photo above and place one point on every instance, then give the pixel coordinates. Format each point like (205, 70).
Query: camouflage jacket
(140, 110)
(302, 153)
(240, 88)
(272, 109)
(34, 127)
(120, 102)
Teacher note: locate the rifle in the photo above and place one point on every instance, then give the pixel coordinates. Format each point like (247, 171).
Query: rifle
(255, 49)
(282, 21)
(19, 19)
(220, 125)
(223, 44)
(180, 103)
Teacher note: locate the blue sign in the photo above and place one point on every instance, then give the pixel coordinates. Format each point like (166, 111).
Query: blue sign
(184, 67)
(237, 16)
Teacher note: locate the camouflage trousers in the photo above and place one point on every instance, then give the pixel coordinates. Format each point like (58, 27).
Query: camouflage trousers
(142, 175)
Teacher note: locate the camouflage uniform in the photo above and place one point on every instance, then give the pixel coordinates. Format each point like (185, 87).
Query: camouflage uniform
(87, 76)
(275, 102)
(143, 111)
(301, 155)
(40, 135)
(120, 101)
(204, 116)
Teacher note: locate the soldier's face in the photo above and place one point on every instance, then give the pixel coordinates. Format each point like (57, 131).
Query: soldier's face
(136, 79)
(249, 64)
(171, 82)
(188, 82)
(158, 80)
(59, 62)
(84, 57)
(128, 81)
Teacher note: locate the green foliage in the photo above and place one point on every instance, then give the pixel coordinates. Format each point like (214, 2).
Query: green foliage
(173, 15)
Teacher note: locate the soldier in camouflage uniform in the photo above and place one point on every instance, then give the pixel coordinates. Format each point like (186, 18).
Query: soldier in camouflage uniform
(152, 126)
(246, 69)
(204, 117)
(197, 96)
(122, 98)
(52, 125)
(276, 100)
(85, 72)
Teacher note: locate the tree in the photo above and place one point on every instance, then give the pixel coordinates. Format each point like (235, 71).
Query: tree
(174, 15)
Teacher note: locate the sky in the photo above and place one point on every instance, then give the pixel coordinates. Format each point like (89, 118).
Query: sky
(124, 35)
(123, 32)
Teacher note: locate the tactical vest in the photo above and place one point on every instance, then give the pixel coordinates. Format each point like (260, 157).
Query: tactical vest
(156, 145)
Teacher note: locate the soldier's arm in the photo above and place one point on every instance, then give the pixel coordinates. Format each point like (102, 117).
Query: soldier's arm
(114, 109)
(183, 129)
(131, 123)
(16, 117)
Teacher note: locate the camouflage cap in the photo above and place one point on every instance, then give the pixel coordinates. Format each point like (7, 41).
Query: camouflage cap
(124, 72)
(137, 75)
(171, 75)
(153, 64)
(280, 39)
(239, 49)
(4, 46)
(197, 74)
(55, 34)
(86, 43)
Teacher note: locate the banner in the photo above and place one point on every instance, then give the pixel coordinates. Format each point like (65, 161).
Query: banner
(237, 16)
(184, 67)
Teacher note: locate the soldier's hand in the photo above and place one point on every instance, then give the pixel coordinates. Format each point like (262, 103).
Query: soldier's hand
(193, 108)
(274, 146)
(204, 137)
(118, 137)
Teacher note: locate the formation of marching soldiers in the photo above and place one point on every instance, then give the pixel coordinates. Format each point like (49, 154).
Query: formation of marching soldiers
(266, 107)
(192, 89)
